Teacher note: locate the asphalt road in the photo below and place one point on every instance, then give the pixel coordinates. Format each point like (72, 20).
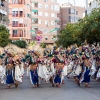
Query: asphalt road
(68, 91)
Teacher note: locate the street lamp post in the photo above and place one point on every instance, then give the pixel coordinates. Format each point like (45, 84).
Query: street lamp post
(74, 10)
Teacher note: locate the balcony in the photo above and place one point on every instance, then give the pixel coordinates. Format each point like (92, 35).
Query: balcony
(3, 10)
(14, 15)
(19, 2)
(34, 12)
(20, 14)
(15, 25)
(17, 35)
(34, 20)
(18, 25)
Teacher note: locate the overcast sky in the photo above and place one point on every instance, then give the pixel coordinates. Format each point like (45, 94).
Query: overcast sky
(77, 2)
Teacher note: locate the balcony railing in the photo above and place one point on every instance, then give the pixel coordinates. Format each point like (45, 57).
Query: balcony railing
(14, 25)
(17, 35)
(14, 15)
(19, 2)
(18, 25)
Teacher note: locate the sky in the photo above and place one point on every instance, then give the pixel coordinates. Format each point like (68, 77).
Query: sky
(77, 2)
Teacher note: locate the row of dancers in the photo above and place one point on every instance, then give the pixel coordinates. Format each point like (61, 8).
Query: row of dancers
(52, 68)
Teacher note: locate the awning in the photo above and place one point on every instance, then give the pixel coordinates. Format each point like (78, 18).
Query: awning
(34, 18)
(34, 2)
(32, 31)
(57, 29)
(21, 9)
(34, 10)
(34, 27)
(52, 30)
(15, 9)
(56, 20)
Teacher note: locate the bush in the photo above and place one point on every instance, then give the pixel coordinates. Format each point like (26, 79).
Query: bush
(43, 45)
(20, 43)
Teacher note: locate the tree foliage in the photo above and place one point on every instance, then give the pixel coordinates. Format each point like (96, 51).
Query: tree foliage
(20, 43)
(86, 29)
(4, 36)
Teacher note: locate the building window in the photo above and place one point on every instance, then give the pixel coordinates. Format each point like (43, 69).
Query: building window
(35, 28)
(52, 7)
(46, 6)
(45, 0)
(40, 13)
(73, 18)
(21, 13)
(40, 5)
(52, 23)
(47, 23)
(71, 11)
(57, 8)
(53, 0)
(34, 12)
(14, 33)
(46, 37)
(15, 13)
(40, 21)
(69, 18)
(46, 14)
(76, 12)
(35, 20)
(52, 15)
(14, 23)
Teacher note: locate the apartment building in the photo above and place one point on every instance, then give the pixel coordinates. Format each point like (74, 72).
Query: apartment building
(91, 4)
(45, 19)
(20, 19)
(70, 14)
(3, 12)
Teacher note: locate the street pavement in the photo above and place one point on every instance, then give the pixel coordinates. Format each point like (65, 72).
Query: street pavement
(68, 91)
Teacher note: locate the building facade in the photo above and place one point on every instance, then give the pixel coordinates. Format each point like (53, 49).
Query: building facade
(91, 4)
(19, 19)
(70, 14)
(4, 12)
(45, 18)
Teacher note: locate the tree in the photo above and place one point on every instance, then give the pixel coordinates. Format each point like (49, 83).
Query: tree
(91, 27)
(68, 36)
(20, 43)
(86, 29)
(4, 36)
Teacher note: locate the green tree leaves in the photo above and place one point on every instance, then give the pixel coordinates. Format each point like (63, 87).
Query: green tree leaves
(4, 36)
(20, 43)
(86, 29)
